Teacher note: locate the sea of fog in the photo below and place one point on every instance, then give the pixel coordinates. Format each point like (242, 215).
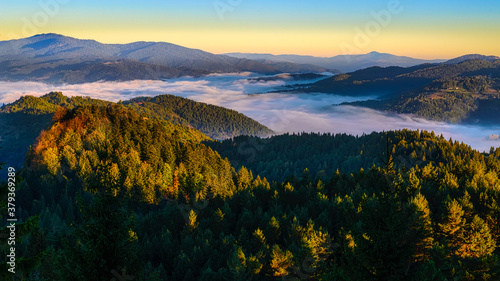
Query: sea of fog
(282, 112)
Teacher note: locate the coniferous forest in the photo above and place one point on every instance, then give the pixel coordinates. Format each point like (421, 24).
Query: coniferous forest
(108, 192)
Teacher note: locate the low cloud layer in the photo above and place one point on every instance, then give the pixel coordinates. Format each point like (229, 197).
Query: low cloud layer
(280, 112)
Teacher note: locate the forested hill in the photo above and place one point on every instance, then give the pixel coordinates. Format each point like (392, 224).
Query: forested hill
(459, 91)
(215, 121)
(23, 120)
(393, 79)
(90, 162)
(107, 191)
(54, 58)
(473, 100)
(281, 156)
(48, 104)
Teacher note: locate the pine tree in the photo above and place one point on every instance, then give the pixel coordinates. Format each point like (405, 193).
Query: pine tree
(423, 226)
(191, 223)
(208, 275)
(384, 240)
(452, 227)
(477, 242)
(236, 264)
(281, 260)
(273, 230)
(244, 178)
(105, 243)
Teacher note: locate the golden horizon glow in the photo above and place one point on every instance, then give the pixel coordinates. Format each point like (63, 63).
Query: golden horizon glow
(415, 32)
(328, 44)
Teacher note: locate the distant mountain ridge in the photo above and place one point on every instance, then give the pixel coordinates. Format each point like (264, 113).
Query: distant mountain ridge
(462, 90)
(394, 79)
(344, 63)
(57, 58)
(472, 57)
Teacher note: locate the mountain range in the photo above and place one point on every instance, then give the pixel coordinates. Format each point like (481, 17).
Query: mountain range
(343, 63)
(56, 58)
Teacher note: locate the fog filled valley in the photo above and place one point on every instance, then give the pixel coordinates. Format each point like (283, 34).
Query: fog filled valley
(282, 112)
(151, 161)
(205, 179)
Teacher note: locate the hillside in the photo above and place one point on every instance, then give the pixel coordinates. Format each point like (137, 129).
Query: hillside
(381, 81)
(462, 92)
(282, 156)
(215, 121)
(456, 100)
(23, 120)
(461, 69)
(56, 58)
(394, 77)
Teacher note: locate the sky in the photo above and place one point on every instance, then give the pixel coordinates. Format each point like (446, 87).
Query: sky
(429, 29)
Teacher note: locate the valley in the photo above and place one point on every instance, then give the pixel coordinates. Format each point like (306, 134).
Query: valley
(269, 101)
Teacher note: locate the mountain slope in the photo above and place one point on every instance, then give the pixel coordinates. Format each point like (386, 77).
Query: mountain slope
(461, 68)
(395, 80)
(384, 82)
(344, 63)
(466, 91)
(57, 58)
(215, 121)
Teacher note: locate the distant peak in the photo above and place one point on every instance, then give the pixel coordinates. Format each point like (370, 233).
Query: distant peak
(51, 35)
(375, 53)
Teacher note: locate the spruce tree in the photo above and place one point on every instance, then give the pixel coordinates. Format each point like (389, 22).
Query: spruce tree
(104, 245)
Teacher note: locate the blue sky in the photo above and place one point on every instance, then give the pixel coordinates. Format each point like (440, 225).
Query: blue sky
(428, 29)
